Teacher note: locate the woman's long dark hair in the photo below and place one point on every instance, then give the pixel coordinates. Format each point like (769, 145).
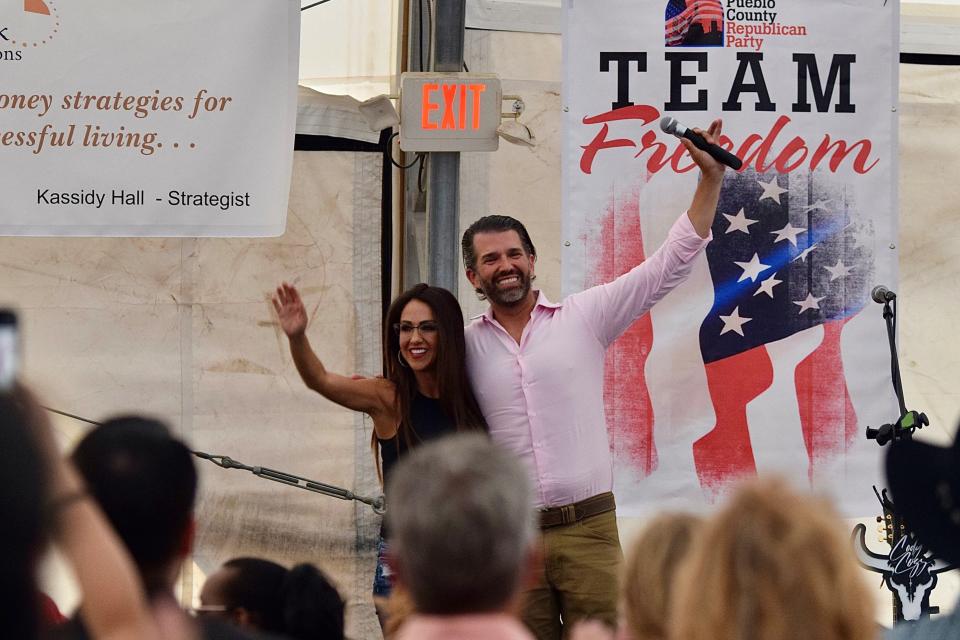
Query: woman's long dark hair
(455, 393)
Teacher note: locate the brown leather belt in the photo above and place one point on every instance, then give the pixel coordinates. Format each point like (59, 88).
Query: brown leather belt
(570, 513)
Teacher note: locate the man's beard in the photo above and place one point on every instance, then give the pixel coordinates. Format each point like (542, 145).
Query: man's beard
(507, 297)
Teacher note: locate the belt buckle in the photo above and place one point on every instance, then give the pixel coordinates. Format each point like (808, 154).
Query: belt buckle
(568, 513)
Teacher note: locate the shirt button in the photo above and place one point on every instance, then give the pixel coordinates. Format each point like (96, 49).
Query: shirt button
(533, 414)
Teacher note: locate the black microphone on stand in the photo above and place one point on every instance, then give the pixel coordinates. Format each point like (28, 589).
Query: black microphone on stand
(882, 295)
(909, 421)
(718, 153)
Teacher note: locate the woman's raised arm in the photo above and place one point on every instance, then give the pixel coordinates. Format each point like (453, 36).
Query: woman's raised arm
(373, 396)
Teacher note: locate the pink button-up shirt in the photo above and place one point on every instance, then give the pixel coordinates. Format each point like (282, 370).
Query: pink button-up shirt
(481, 626)
(543, 398)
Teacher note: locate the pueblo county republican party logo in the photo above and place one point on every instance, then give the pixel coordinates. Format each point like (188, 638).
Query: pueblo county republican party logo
(738, 24)
(25, 26)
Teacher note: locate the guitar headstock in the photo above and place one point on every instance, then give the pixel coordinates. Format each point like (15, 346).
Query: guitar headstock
(890, 527)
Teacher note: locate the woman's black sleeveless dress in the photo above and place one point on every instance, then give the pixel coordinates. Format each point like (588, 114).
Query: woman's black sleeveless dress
(429, 423)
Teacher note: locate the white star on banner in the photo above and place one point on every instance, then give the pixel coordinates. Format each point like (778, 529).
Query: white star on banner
(789, 232)
(839, 270)
(819, 204)
(767, 286)
(771, 190)
(739, 222)
(734, 322)
(803, 254)
(751, 269)
(809, 303)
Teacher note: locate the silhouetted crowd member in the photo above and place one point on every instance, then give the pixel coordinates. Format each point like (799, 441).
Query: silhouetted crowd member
(22, 481)
(463, 535)
(649, 573)
(145, 482)
(925, 482)
(299, 603)
(772, 565)
(41, 496)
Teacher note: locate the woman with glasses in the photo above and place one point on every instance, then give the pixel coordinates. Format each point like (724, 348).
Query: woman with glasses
(424, 393)
(262, 596)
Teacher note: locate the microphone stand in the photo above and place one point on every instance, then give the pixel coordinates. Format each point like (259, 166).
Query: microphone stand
(892, 524)
(378, 504)
(909, 421)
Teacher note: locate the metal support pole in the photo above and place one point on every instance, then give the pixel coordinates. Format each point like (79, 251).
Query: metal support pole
(443, 192)
(414, 233)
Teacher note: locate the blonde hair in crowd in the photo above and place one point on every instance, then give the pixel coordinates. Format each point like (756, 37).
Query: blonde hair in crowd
(650, 571)
(772, 565)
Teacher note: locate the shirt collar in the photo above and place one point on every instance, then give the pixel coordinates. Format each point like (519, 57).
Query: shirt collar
(542, 301)
(477, 625)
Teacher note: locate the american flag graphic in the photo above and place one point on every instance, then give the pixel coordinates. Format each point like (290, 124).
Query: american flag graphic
(680, 15)
(790, 264)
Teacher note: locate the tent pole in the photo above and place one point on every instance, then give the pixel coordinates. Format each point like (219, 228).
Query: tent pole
(443, 191)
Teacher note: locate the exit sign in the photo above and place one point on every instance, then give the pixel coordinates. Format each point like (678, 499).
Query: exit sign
(449, 111)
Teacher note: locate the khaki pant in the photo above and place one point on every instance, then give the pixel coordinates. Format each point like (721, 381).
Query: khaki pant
(579, 577)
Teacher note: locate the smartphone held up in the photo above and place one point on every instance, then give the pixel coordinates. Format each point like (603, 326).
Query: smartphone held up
(9, 350)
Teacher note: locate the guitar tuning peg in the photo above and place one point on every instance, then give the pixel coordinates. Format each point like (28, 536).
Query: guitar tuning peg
(879, 518)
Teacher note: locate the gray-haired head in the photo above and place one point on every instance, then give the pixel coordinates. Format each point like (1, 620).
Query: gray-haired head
(461, 524)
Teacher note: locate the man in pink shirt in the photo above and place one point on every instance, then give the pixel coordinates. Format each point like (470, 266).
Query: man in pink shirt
(537, 370)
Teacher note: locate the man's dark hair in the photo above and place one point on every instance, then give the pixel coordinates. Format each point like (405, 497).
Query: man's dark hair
(145, 482)
(493, 224)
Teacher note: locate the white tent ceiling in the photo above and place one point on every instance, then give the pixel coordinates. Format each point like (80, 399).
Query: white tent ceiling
(351, 46)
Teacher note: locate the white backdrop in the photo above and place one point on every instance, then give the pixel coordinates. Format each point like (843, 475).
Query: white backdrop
(762, 361)
(162, 119)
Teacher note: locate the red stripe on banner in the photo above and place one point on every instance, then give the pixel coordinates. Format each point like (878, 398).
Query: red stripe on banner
(725, 454)
(706, 13)
(826, 412)
(704, 17)
(619, 248)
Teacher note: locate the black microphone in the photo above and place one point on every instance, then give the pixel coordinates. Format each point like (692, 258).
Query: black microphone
(882, 295)
(718, 153)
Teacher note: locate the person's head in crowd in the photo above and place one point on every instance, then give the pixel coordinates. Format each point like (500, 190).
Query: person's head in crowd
(924, 481)
(145, 482)
(773, 565)
(650, 570)
(462, 525)
(299, 603)
(23, 492)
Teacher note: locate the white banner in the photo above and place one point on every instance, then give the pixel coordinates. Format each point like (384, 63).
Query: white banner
(770, 358)
(145, 118)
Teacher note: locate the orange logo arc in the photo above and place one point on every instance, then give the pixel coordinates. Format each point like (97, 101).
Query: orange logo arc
(36, 6)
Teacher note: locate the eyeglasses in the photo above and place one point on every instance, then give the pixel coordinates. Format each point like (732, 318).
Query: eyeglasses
(427, 327)
(207, 609)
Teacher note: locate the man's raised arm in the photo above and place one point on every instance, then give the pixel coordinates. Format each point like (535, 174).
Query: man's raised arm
(705, 199)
